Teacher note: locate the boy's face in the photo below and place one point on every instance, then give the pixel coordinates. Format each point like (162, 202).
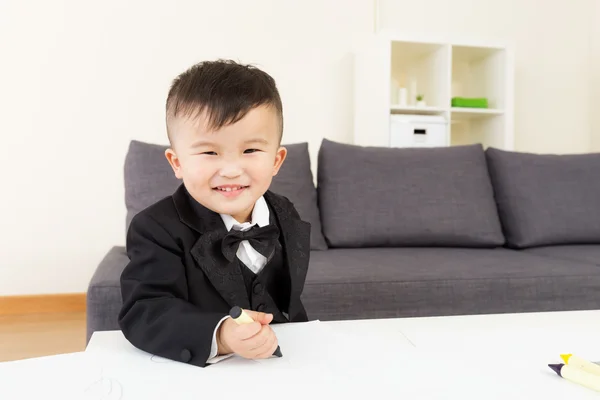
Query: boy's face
(227, 170)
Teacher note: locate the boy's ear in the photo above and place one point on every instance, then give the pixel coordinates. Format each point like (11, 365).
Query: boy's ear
(279, 158)
(174, 162)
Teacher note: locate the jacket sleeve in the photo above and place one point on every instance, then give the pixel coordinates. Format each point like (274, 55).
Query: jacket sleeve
(156, 316)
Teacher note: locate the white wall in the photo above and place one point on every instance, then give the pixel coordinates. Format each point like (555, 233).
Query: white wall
(595, 78)
(80, 79)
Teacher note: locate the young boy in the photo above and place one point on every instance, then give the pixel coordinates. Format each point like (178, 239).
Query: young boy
(222, 239)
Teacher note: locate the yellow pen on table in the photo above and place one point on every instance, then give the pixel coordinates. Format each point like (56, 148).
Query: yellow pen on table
(581, 363)
(577, 375)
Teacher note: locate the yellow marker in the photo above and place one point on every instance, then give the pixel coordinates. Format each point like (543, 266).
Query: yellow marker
(581, 363)
(577, 376)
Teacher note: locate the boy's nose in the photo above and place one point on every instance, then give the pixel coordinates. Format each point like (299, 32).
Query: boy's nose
(230, 171)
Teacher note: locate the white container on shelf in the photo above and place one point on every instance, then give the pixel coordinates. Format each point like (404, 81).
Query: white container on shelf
(402, 97)
(418, 131)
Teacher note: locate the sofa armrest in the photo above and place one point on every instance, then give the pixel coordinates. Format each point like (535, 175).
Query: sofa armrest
(104, 293)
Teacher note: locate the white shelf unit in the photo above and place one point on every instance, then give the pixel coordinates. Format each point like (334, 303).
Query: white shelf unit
(439, 70)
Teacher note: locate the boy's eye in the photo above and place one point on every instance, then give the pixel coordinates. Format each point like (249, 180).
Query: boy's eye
(210, 153)
(248, 151)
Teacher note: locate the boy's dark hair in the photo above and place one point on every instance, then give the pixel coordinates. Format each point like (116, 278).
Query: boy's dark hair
(225, 90)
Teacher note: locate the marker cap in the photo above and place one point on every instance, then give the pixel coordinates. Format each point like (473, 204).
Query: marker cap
(235, 312)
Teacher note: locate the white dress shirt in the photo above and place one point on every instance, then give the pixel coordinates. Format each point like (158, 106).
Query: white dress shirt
(246, 253)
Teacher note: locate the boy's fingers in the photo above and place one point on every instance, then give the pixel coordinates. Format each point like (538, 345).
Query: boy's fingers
(246, 331)
(260, 317)
(260, 339)
(267, 319)
(270, 347)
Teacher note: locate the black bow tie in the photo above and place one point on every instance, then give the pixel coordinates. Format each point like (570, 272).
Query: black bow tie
(262, 239)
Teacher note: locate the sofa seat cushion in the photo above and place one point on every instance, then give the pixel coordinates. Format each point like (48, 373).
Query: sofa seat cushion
(408, 282)
(546, 199)
(589, 253)
(149, 178)
(396, 197)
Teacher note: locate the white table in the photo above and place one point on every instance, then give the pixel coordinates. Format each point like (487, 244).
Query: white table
(479, 357)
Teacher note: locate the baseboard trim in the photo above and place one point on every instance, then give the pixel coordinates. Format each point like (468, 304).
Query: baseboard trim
(42, 304)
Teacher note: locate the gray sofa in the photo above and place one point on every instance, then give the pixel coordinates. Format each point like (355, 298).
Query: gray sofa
(415, 232)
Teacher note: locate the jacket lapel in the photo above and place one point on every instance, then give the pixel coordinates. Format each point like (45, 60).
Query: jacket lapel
(226, 277)
(296, 237)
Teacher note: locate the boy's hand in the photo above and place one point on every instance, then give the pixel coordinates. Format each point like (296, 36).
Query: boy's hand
(255, 340)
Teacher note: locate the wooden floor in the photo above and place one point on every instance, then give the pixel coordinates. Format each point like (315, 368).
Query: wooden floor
(35, 335)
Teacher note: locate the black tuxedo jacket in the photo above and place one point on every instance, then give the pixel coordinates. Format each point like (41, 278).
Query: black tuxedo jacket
(176, 287)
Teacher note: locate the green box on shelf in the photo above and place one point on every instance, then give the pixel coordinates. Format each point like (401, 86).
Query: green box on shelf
(470, 102)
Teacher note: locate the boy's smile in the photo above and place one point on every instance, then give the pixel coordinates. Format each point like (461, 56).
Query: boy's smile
(227, 170)
(230, 190)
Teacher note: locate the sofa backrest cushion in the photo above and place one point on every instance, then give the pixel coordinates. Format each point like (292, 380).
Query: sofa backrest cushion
(149, 178)
(296, 182)
(378, 196)
(546, 199)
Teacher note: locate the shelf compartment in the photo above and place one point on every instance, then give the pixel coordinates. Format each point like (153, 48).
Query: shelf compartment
(479, 72)
(421, 68)
(478, 129)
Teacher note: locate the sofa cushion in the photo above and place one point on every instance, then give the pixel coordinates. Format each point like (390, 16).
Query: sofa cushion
(546, 199)
(376, 196)
(584, 253)
(149, 178)
(295, 181)
(409, 282)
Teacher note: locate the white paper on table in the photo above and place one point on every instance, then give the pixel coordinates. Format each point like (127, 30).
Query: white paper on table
(515, 349)
(302, 345)
(317, 360)
(64, 376)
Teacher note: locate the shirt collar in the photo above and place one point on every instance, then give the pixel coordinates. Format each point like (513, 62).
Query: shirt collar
(260, 217)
